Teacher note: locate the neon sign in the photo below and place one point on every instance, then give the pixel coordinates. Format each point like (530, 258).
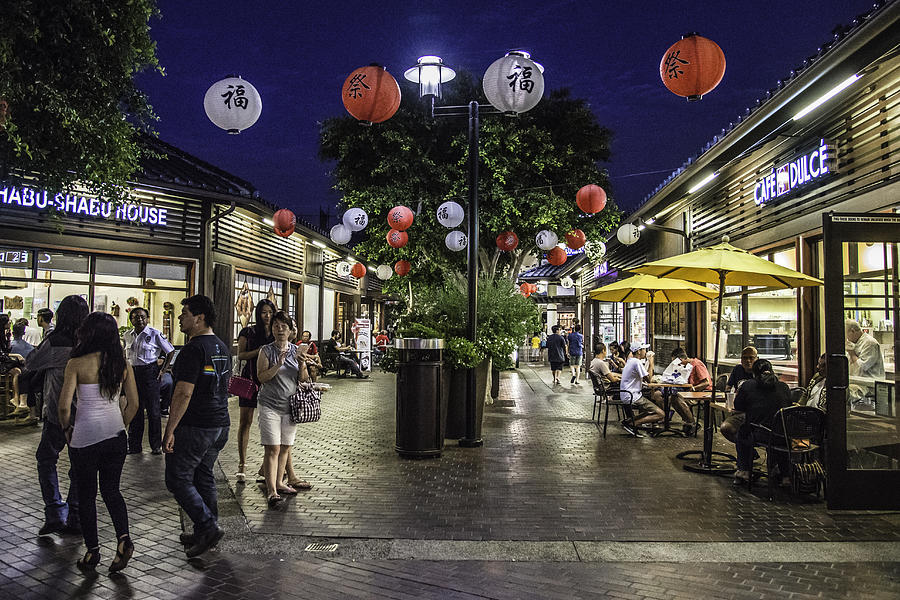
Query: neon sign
(795, 174)
(73, 205)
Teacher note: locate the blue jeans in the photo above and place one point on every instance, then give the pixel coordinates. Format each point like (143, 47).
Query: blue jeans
(146, 378)
(189, 473)
(53, 440)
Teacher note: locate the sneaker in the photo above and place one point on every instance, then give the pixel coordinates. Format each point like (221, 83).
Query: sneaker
(631, 430)
(51, 527)
(205, 541)
(577, 382)
(740, 477)
(689, 428)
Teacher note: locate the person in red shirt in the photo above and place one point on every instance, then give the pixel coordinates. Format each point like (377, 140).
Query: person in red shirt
(382, 340)
(699, 381)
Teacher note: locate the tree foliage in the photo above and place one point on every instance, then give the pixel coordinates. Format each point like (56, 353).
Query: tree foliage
(73, 107)
(530, 168)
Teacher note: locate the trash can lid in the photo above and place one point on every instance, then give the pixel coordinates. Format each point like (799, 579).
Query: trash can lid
(419, 343)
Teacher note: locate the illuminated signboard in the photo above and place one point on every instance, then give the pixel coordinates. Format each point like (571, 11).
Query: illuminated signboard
(573, 252)
(796, 173)
(81, 206)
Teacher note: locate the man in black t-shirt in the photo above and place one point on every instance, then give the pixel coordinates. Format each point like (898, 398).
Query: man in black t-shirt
(333, 348)
(198, 423)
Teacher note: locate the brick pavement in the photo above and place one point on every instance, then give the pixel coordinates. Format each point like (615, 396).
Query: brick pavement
(544, 477)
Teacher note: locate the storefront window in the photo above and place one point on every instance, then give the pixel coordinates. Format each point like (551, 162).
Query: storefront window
(54, 266)
(15, 262)
(637, 321)
(610, 322)
(248, 291)
(118, 271)
(772, 320)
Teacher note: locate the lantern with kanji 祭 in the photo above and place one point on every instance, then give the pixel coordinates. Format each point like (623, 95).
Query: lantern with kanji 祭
(371, 94)
(232, 104)
(692, 66)
(591, 199)
(402, 267)
(358, 270)
(397, 239)
(400, 218)
(284, 222)
(575, 239)
(507, 241)
(556, 257)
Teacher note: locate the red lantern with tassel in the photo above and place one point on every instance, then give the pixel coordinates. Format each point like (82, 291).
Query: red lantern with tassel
(284, 222)
(692, 66)
(371, 94)
(507, 241)
(575, 239)
(556, 257)
(402, 267)
(400, 218)
(591, 199)
(397, 239)
(358, 270)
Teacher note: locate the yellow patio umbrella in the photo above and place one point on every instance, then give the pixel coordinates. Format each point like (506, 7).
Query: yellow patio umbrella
(649, 288)
(725, 265)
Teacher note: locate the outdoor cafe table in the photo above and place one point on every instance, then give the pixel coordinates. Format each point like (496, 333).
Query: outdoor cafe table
(706, 464)
(667, 389)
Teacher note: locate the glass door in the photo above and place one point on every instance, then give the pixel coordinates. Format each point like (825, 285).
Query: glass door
(862, 310)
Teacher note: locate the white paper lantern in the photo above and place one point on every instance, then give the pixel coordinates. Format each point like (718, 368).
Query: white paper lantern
(343, 268)
(514, 83)
(628, 234)
(340, 234)
(232, 104)
(600, 249)
(456, 240)
(384, 272)
(546, 240)
(566, 282)
(355, 219)
(450, 214)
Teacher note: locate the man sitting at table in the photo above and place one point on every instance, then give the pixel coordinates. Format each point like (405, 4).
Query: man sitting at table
(341, 354)
(600, 367)
(634, 374)
(741, 373)
(698, 380)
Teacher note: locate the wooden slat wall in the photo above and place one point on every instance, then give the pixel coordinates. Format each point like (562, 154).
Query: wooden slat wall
(863, 127)
(245, 236)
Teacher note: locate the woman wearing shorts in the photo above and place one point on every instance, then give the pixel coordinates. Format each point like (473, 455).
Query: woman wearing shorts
(250, 340)
(279, 367)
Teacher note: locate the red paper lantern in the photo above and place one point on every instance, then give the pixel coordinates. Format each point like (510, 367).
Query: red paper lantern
(397, 239)
(525, 289)
(371, 94)
(692, 66)
(556, 257)
(402, 267)
(507, 241)
(284, 222)
(591, 199)
(400, 218)
(575, 239)
(358, 270)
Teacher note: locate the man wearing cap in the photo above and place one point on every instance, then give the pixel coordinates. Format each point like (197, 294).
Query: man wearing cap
(699, 381)
(634, 374)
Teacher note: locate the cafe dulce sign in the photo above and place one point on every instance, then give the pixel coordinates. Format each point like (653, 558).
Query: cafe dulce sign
(73, 205)
(797, 173)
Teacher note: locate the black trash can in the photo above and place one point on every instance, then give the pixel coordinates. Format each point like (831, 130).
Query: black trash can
(421, 406)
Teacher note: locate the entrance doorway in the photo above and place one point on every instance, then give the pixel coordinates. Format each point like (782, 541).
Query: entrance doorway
(862, 312)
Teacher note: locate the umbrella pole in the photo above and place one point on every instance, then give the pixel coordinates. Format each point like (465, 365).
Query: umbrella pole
(706, 464)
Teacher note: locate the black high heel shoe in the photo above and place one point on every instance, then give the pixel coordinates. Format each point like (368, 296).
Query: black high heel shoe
(90, 559)
(124, 551)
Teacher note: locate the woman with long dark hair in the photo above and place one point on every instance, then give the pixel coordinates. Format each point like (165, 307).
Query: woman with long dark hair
(250, 340)
(98, 371)
(48, 363)
(759, 398)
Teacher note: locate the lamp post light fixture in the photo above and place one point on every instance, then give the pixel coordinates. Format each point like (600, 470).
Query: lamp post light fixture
(431, 73)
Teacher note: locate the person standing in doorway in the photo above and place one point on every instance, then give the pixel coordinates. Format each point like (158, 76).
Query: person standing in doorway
(556, 353)
(576, 353)
(198, 423)
(144, 347)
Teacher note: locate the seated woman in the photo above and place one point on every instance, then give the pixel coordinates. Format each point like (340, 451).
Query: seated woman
(814, 393)
(760, 399)
(313, 361)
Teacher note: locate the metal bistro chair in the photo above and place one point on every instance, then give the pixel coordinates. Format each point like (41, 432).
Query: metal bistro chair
(798, 432)
(610, 395)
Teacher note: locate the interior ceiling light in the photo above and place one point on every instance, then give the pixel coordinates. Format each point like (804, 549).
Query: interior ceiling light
(826, 96)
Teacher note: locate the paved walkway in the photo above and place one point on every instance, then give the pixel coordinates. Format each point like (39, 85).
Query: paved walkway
(546, 509)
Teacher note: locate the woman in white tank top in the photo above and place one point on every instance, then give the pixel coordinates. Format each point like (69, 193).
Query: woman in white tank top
(98, 372)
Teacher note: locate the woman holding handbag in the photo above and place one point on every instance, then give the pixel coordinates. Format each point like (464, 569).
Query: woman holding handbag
(279, 368)
(250, 340)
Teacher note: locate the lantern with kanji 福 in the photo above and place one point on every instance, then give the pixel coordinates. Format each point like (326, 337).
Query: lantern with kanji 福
(546, 239)
(355, 219)
(232, 104)
(284, 222)
(358, 270)
(450, 214)
(343, 268)
(575, 239)
(456, 241)
(514, 83)
(371, 94)
(591, 199)
(507, 241)
(628, 234)
(400, 218)
(556, 256)
(402, 267)
(692, 66)
(397, 239)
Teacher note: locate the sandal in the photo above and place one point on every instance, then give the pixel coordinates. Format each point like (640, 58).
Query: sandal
(299, 484)
(275, 500)
(90, 559)
(240, 477)
(287, 490)
(124, 552)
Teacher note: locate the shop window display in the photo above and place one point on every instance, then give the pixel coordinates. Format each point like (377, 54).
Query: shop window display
(248, 291)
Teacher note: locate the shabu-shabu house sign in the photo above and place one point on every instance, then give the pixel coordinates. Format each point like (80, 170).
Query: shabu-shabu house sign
(82, 206)
(795, 174)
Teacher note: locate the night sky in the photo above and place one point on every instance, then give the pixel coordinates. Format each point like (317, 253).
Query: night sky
(297, 54)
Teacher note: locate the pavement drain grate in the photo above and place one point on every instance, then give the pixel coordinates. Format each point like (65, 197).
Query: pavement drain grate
(321, 548)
